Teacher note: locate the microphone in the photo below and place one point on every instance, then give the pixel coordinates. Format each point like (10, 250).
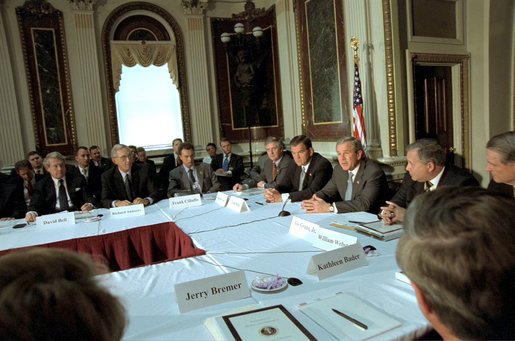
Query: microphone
(284, 213)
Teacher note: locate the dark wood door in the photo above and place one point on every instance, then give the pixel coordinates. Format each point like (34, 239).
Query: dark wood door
(433, 105)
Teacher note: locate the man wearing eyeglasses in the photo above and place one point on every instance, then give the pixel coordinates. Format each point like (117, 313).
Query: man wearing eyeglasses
(127, 183)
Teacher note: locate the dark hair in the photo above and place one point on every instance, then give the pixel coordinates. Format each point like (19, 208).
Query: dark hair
(22, 164)
(32, 152)
(225, 139)
(140, 149)
(93, 147)
(79, 148)
(458, 249)
(187, 146)
(211, 144)
(306, 141)
(52, 294)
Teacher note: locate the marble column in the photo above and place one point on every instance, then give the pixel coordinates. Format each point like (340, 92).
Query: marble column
(11, 142)
(89, 111)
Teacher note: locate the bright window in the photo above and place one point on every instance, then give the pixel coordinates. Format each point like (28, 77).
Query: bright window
(148, 107)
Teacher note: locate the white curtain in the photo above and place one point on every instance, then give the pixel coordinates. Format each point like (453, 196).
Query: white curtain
(144, 53)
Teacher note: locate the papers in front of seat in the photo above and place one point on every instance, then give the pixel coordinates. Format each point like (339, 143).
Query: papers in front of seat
(381, 231)
(347, 317)
(270, 323)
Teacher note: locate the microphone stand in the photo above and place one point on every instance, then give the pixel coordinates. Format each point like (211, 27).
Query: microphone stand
(284, 213)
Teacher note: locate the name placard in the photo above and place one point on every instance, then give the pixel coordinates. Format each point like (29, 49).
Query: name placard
(62, 219)
(237, 204)
(330, 240)
(185, 201)
(304, 229)
(127, 211)
(221, 199)
(337, 261)
(211, 290)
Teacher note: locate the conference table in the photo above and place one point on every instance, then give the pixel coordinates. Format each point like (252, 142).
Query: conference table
(257, 242)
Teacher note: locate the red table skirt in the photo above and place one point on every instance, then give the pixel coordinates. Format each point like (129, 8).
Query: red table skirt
(131, 248)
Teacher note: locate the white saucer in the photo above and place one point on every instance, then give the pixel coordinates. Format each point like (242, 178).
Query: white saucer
(261, 283)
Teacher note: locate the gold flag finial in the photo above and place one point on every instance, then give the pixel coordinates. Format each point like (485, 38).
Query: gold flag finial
(354, 43)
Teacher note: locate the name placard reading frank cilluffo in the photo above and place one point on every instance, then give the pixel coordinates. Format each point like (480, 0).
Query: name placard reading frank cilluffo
(337, 261)
(211, 290)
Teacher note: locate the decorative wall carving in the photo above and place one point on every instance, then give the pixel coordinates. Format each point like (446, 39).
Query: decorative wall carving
(44, 50)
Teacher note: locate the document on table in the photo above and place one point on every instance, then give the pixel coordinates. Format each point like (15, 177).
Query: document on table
(270, 323)
(345, 316)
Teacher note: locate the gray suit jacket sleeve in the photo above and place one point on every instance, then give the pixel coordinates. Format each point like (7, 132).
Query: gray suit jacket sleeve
(180, 184)
(369, 189)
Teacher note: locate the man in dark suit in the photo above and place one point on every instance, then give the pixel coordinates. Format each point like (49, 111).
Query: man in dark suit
(500, 157)
(142, 159)
(89, 171)
(310, 172)
(357, 184)
(58, 191)
(275, 167)
(12, 205)
(98, 160)
(169, 163)
(36, 161)
(227, 166)
(127, 183)
(25, 179)
(189, 178)
(426, 171)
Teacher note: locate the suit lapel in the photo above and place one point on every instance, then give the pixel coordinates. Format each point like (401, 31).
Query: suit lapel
(358, 182)
(135, 181)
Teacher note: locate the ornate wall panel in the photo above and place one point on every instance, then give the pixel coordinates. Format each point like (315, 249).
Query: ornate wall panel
(42, 33)
(320, 31)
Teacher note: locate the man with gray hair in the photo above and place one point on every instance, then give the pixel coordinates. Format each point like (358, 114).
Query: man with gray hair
(457, 251)
(426, 171)
(357, 184)
(275, 167)
(127, 183)
(500, 157)
(59, 190)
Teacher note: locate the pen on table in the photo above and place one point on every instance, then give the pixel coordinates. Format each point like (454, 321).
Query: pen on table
(259, 203)
(353, 320)
(363, 222)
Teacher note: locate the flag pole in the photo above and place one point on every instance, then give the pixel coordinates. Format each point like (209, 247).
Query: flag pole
(358, 118)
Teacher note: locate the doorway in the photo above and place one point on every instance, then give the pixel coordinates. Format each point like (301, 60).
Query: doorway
(438, 102)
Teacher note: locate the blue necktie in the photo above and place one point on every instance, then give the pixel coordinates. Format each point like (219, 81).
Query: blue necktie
(348, 192)
(225, 165)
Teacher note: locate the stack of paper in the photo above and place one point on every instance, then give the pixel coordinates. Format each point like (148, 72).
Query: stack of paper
(345, 316)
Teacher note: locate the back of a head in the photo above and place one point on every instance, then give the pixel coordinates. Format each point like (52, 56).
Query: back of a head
(52, 294)
(458, 249)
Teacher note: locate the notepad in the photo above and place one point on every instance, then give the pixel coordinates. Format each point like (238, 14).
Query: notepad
(376, 321)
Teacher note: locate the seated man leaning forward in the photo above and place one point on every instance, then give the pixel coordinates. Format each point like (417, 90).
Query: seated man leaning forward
(457, 251)
(310, 172)
(189, 178)
(127, 183)
(275, 167)
(426, 171)
(59, 190)
(357, 184)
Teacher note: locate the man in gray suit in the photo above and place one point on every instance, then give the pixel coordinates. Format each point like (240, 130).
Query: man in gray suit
(357, 184)
(275, 167)
(189, 178)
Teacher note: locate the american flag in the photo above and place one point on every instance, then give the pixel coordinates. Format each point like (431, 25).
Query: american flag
(358, 124)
